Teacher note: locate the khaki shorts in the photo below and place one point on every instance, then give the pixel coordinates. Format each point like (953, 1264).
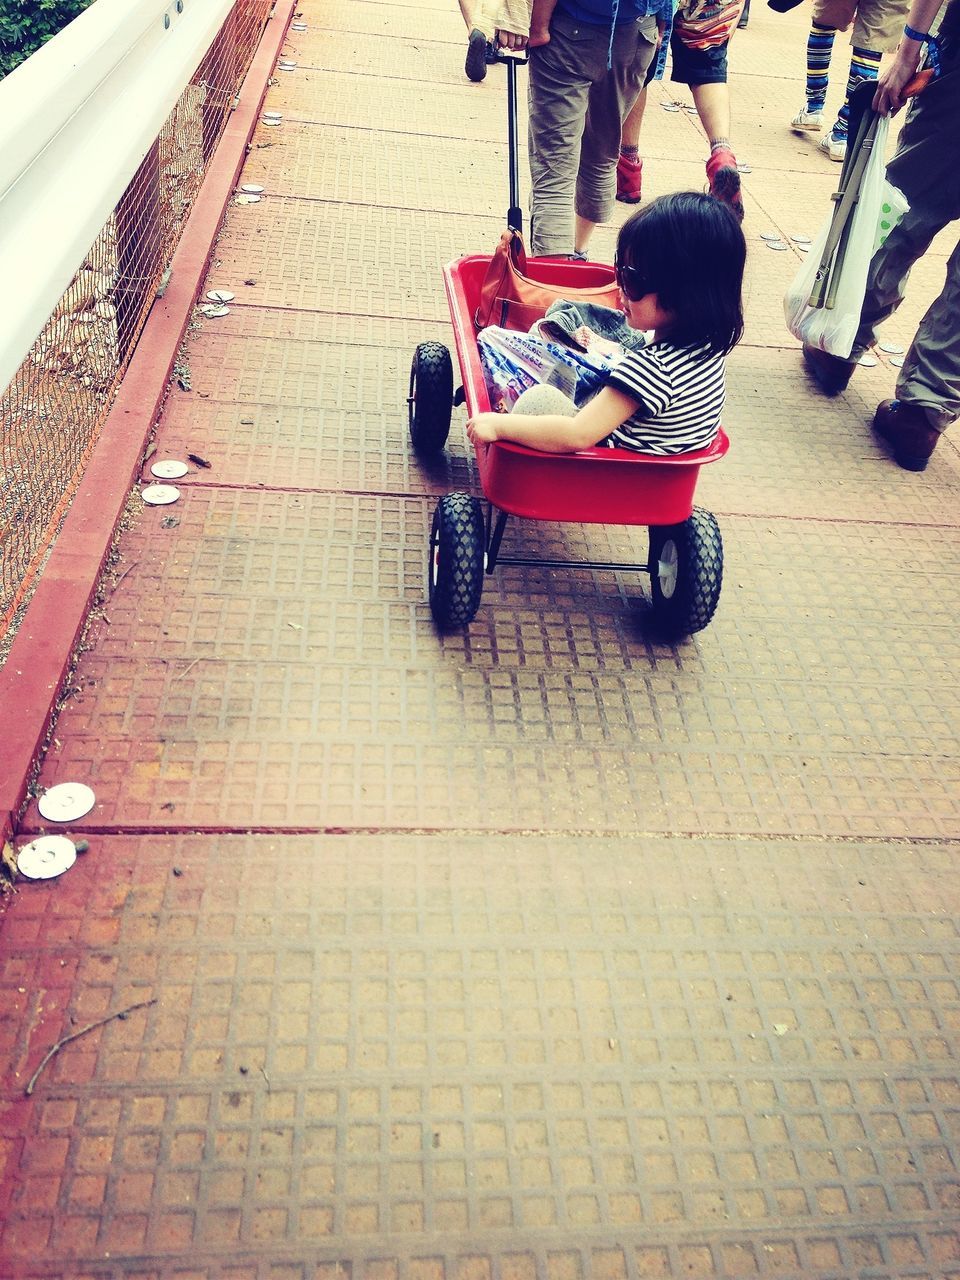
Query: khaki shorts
(877, 24)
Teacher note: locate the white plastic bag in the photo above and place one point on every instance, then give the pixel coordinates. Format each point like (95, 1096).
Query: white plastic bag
(513, 361)
(833, 329)
(893, 205)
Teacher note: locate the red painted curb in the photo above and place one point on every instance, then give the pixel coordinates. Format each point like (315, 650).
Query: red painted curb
(42, 650)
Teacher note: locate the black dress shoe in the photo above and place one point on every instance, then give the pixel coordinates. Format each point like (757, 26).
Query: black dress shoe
(830, 373)
(906, 428)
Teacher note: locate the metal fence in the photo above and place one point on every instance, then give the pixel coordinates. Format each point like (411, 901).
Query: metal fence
(52, 410)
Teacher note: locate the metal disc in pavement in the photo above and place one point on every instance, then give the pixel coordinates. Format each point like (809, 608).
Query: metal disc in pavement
(169, 469)
(46, 857)
(160, 495)
(66, 801)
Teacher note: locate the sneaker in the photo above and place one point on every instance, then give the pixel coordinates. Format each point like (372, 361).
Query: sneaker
(835, 148)
(629, 172)
(830, 373)
(724, 178)
(907, 429)
(476, 63)
(805, 121)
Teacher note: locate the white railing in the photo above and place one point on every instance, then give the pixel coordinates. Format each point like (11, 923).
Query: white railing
(76, 120)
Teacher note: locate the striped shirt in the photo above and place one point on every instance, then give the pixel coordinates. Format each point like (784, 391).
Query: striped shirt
(679, 392)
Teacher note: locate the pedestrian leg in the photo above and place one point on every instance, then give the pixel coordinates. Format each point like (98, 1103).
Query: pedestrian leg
(930, 377)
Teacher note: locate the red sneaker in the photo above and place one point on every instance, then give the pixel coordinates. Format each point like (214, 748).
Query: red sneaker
(629, 172)
(724, 178)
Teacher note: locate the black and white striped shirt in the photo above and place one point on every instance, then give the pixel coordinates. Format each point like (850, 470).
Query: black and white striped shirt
(680, 393)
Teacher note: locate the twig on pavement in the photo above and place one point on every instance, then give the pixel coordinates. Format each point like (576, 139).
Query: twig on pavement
(75, 1035)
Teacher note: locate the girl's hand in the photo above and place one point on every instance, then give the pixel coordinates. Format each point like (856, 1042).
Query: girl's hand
(591, 341)
(483, 429)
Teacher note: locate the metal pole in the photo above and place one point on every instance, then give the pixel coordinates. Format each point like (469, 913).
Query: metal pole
(514, 215)
(495, 535)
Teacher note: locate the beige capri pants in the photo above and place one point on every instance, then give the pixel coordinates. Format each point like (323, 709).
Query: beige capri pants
(877, 24)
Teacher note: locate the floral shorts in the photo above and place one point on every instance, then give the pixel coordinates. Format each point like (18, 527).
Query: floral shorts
(707, 24)
(701, 33)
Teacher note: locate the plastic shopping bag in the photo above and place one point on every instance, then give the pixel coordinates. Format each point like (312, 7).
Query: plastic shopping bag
(893, 205)
(514, 361)
(834, 328)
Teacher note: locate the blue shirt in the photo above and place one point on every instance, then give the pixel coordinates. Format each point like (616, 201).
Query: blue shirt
(600, 13)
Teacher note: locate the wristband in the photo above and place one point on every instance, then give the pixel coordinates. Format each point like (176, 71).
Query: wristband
(932, 43)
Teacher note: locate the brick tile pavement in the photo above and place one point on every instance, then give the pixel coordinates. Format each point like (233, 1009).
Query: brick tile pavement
(542, 950)
(696, 1056)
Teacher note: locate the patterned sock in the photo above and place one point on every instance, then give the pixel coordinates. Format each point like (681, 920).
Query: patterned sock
(720, 144)
(864, 65)
(630, 153)
(819, 49)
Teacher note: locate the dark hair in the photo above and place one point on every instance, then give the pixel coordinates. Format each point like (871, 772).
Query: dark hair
(688, 249)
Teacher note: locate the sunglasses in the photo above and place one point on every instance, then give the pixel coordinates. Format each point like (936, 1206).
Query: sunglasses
(631, 280)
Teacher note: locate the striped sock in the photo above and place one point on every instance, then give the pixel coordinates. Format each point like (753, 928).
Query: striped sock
(864, 65)
(819, 49)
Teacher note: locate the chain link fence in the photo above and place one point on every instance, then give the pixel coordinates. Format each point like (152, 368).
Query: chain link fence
(52, 411)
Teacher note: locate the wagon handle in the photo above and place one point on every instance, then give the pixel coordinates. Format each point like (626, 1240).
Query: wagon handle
(514, 213)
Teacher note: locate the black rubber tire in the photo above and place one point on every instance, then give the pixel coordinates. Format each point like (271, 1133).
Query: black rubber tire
(456, 561)
(686, 573)
(430, 402)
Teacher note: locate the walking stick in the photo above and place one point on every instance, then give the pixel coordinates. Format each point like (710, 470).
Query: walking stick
(863, 128)
(852, 194)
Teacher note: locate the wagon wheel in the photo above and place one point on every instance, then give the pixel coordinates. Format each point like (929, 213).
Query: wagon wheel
(430, 402)
(456, 563)
(686, 573)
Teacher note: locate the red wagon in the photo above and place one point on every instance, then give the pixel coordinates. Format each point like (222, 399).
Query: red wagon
(591, 486)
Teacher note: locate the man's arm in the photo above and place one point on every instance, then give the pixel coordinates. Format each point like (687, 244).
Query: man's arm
(894, 79)
(505, 22)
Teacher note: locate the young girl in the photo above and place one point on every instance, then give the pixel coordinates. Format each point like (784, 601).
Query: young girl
(679, 265)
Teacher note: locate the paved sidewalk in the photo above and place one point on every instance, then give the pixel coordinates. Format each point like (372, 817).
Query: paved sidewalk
(538, 950)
